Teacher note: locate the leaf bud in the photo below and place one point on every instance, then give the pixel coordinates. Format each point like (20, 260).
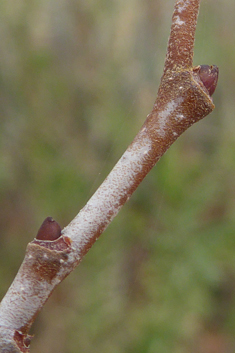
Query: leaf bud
(49, 230)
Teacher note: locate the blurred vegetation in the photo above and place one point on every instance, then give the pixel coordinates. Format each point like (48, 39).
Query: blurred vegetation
(77, 79)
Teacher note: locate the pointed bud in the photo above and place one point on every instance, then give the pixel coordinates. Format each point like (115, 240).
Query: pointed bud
(49, 230)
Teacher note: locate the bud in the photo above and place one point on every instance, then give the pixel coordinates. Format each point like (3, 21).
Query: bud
(49, 230)
(209, 77)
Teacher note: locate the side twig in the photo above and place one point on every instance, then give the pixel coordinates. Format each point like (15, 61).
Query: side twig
(184, 97)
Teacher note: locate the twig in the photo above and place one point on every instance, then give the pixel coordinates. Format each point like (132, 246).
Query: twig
(184, 97)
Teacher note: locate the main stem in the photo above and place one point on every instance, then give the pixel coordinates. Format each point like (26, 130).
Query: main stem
(182, 100)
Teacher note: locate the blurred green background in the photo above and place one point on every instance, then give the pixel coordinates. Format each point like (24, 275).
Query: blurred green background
(77, 80)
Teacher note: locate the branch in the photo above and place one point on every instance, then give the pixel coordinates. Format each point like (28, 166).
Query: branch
(181, 41)
(184, 97)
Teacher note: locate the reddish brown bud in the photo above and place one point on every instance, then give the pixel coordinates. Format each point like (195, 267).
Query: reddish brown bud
(49, 230)
(209, 77)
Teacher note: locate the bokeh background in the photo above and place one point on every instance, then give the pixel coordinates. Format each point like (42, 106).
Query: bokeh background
(77, 80)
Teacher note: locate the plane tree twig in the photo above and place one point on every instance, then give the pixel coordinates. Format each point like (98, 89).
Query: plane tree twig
(184, 97)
